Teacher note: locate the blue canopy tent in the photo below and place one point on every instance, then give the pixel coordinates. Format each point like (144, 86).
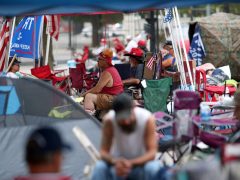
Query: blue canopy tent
(27, 7)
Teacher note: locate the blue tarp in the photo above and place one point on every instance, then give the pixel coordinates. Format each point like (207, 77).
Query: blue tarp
(30, 7)
(8, 98)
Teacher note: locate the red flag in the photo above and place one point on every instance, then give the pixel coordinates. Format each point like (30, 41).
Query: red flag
(4, 40)
(53, 25)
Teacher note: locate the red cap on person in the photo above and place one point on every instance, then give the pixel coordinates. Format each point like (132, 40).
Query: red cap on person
(141, 43)
(137, 52)
(103, 41)
(107, 55)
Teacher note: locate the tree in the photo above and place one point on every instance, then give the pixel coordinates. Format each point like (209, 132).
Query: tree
(98, 22)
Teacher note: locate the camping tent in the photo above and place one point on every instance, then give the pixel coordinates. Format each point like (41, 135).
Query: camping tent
(27, 103)
(220, 35)
(26, 7)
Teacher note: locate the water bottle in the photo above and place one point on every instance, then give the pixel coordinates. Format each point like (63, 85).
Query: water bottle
(205, 112)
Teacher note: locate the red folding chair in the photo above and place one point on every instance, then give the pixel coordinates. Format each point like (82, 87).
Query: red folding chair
(80, 80)
(208, 92)
(45, 73)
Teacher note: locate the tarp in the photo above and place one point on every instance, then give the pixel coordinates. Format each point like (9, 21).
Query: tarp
(29, 7)
(220, 35)
(42, 104)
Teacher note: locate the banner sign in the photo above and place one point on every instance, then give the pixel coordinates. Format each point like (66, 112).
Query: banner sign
(197, 51)
(26, 38)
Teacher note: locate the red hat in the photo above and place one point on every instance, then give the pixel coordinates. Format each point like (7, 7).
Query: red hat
(103, 41)
(141, 43)
(107, 54)
(136, 52)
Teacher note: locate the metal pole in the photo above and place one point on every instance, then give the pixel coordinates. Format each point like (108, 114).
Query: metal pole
(157, 32)
(184, 48)
(10, 42)
(47, 49)
(152, 42)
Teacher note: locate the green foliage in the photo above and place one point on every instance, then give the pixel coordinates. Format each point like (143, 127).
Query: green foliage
(105, 18)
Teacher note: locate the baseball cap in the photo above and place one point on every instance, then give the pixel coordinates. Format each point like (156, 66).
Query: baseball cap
(168, 43)
(45, 140)
(141, 43)
(107, 55)
(122, 105)
(14, 62)
(135, 52)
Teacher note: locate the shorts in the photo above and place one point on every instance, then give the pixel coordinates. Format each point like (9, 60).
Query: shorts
(104, 101)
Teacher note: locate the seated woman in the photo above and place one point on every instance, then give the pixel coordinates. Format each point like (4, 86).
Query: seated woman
(13, 71)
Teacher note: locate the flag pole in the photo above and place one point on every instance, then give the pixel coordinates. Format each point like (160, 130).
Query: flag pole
(179, 58)
(10, 42)
(47, 49)
(184, 48)
(180, 68)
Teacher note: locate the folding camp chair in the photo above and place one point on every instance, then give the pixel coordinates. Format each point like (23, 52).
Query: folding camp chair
(80, 80)
(208, 92)
(45, 73)
(178, 134)
(155, 94)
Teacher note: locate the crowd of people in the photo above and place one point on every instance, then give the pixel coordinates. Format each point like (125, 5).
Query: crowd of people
(129, 145)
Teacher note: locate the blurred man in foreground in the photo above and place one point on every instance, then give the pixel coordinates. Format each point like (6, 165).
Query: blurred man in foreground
(44, 150)
(128, 143)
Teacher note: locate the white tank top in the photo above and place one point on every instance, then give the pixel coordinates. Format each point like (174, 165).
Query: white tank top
(129, 145)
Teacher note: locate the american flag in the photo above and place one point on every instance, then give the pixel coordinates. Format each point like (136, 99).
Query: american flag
(169, 16)
(53, 25)
(151, 61)
(4, 40)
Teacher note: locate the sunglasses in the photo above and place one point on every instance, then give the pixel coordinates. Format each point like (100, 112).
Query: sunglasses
(100, 59)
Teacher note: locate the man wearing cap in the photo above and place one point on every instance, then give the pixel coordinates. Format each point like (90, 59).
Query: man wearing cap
(169, 61)
(137, 66)
(142, 45)
(14, 69)
(109, 85)
(44, 150)
(128, 145)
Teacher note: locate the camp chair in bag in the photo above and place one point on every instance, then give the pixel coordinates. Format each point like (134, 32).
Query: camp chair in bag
(45, 73)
